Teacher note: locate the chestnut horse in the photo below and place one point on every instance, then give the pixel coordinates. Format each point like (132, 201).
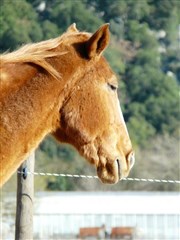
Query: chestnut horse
(63, 86)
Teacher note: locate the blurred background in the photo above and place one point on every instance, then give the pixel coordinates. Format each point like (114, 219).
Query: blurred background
(144, 53)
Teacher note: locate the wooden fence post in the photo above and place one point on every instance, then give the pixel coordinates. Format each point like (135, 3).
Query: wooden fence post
(25, 197)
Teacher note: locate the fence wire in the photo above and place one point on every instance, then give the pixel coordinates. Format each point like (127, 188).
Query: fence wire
(96, 177)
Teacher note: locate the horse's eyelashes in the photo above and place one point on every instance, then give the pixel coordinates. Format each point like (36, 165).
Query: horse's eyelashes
(112, 87)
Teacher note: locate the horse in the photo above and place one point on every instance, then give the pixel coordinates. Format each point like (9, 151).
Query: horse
(64, 87)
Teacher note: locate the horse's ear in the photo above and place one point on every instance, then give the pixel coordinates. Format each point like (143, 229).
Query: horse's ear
(72, 28)
(98, 41)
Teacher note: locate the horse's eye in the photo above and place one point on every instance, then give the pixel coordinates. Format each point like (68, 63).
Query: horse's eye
(112, 87)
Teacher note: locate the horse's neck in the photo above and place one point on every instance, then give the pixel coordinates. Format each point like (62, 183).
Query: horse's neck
(29, 111)
(30, 101)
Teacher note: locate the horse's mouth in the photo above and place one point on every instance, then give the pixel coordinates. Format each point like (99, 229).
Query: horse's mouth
(119, 169)
(109, 173)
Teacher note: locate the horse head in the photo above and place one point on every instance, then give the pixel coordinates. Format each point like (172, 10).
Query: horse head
(90, 116)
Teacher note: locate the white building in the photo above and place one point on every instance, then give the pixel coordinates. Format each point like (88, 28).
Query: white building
(155, 216)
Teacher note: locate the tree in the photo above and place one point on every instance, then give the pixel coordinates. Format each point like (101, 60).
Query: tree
(64, 13)
(153, 100)
(18, 24)
(150, 78)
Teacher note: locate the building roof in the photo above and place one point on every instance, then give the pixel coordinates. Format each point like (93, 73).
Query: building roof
(107, 203)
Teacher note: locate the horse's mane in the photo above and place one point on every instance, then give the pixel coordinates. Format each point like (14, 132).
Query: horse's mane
(36, 53)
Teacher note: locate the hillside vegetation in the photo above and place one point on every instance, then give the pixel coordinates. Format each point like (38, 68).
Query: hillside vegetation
(144, 52)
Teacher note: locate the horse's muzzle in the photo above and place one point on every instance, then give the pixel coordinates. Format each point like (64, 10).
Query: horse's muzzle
(113, 172)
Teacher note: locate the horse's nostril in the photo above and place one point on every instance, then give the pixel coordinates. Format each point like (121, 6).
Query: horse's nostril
(131, 159)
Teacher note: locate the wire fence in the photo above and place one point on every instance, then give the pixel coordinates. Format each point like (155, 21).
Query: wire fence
(25, 172)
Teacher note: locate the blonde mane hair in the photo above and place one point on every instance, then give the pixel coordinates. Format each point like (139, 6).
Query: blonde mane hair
(36, 53)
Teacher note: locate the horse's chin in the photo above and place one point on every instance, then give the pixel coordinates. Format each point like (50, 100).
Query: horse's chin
(109, 173)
